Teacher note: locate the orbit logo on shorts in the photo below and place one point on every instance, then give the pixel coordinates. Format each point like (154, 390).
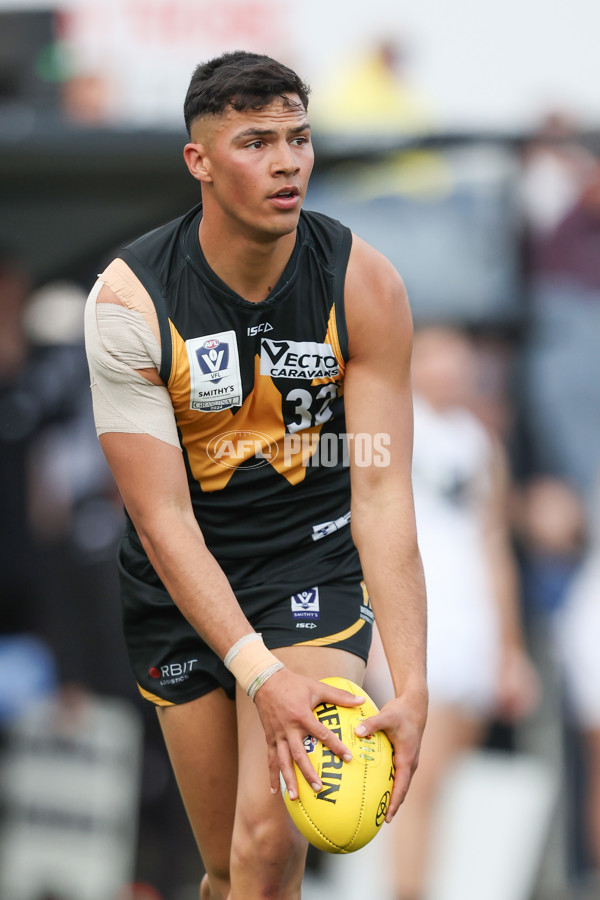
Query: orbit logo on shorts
(305, 604)
(215, 379)
(173, 673)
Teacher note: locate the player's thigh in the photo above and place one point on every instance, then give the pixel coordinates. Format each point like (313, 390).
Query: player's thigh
(315, 662)
(201, 739)
(257, 809)
(322, 662)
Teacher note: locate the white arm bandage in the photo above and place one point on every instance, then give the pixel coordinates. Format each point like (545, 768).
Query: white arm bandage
(119, 341)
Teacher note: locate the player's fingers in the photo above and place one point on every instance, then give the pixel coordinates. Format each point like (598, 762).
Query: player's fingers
(286, 767)
(338, 696)
(401, 783)
(274, 776)
(301, 758)
(331, 741)
(405, 765)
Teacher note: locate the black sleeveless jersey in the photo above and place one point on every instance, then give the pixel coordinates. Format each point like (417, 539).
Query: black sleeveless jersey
(257, 392)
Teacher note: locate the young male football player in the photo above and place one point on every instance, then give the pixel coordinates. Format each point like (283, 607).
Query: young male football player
(250, 377)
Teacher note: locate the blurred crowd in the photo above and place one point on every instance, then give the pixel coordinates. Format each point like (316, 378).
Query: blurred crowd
(507, 492)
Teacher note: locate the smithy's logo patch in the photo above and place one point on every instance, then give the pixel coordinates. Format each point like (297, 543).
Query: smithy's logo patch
(215, 380)
(305, 604)
(297, 359)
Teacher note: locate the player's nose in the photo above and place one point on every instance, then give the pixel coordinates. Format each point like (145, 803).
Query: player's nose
(285, 161)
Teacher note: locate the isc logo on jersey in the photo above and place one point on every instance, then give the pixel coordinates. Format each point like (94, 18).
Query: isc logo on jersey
(263, 327)
(297, 359)
(215, 380)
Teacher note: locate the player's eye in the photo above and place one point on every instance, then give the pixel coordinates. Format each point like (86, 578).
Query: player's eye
(255, 145)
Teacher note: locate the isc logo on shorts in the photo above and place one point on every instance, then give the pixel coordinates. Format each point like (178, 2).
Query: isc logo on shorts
(305, 604)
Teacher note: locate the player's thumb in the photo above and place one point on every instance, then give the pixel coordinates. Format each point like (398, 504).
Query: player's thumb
(368, 726)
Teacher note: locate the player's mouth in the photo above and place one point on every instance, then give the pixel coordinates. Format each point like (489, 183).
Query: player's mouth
(286, 197)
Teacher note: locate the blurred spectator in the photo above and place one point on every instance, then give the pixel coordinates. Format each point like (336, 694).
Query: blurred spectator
(20, 574)
(550, 526)
(562, 594)
(60, 523)
(577, 631)
(86, 99)
(555, 169)
(562, 363)
(372, 93)
(478, 667)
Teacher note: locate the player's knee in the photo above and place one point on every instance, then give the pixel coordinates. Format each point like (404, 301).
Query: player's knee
(215, 884)
(271, 847)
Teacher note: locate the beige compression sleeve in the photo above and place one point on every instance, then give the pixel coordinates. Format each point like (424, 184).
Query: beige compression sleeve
(119, 340)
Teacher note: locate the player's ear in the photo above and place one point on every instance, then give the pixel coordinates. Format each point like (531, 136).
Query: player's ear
(197, 161)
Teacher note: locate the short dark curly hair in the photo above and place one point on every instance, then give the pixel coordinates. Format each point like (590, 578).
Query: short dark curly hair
(241, 80)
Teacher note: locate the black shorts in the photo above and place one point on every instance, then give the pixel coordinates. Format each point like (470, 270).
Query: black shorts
(172, 664)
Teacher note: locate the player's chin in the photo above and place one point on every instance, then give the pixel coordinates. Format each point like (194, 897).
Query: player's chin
(281, 225)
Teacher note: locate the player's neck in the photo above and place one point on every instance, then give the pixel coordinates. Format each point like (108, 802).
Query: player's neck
(248, 266)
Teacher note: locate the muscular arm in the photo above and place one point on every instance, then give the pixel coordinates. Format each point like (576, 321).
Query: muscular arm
(152, 481)
(379, 402)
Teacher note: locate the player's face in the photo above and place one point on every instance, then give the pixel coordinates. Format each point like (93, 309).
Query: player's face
(258, 163)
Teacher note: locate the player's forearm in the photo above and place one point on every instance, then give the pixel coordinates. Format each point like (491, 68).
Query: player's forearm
(193, 578)
(505, 589)
(386, 541)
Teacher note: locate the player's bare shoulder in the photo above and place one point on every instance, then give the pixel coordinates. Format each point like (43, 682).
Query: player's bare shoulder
(376, 302)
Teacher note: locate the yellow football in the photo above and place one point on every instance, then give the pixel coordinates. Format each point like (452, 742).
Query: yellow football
(350, 809)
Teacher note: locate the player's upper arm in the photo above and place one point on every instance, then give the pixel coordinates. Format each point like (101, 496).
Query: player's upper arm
(377, 388)
(124, 357)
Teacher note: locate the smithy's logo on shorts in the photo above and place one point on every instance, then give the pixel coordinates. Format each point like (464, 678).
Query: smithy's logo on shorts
(305, 604)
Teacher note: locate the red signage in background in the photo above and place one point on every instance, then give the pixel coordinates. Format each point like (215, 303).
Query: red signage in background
(144, 51)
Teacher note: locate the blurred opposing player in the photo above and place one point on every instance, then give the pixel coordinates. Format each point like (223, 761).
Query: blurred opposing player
(230, 352)
(477, 665)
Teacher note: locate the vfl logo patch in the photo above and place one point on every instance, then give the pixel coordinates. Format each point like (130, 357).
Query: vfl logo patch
(297, 359)
(305, 604)
(215, 380)
(213, 358)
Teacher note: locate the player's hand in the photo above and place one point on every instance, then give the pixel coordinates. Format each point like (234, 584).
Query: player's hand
(285, 704)
(518, 688)
(403, 720)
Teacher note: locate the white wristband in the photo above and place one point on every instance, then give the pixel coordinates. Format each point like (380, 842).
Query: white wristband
(251, 663)
(262, 677)
(233, 651)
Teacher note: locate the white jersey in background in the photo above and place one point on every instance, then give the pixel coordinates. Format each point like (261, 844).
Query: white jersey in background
(451, 477)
